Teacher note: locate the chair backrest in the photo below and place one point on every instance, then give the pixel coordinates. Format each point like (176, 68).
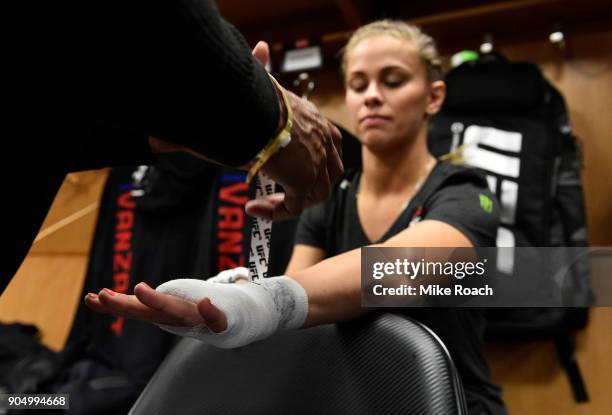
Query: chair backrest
(376, 364)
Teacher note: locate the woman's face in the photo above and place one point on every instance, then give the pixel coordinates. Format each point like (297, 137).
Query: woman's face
(388, 94)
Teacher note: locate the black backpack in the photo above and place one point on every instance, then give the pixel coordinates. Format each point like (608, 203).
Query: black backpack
(505, 119)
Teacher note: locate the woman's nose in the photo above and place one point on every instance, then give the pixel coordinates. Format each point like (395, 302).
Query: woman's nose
(372, 95)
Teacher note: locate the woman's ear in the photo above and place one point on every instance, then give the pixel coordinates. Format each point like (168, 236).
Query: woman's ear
(437, 92)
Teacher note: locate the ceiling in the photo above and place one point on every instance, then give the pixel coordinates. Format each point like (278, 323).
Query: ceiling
(450, 21)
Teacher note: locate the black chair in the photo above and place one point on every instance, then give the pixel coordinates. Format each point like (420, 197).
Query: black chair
(377, 364)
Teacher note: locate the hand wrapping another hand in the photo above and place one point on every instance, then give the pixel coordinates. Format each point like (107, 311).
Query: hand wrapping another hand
(308, 167)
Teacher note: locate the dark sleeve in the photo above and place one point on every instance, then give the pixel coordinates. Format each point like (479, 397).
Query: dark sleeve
(94, 145)
(311, 229)
(174, 69)
(220, 100)
(470, 208)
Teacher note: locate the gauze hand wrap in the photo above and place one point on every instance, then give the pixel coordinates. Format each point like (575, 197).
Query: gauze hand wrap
(231, 275)
(253, 311)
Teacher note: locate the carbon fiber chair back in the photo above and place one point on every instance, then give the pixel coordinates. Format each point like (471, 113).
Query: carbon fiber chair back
(377, 364)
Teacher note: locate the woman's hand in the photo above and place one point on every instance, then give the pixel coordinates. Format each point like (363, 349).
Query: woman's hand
(149, 305)
(243, 312)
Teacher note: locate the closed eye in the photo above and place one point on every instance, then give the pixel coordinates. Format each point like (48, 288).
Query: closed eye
(395, 84)
(357, 85)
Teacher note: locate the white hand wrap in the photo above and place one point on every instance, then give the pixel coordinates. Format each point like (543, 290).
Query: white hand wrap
(230, 276)
(253, 311)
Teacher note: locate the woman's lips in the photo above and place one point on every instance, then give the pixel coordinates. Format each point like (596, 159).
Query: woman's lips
(374, 120)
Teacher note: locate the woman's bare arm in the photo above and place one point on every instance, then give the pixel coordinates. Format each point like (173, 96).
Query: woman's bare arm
(304, 256)
(333, 286)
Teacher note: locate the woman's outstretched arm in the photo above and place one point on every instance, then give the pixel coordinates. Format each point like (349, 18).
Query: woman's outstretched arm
(333, 286)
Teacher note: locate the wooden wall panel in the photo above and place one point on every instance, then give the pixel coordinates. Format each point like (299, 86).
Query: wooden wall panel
(534, 382)
(79, 192)
(45, 292)
(47, 287)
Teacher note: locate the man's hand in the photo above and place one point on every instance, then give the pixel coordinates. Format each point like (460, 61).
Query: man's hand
(308, 167)
(155, 307)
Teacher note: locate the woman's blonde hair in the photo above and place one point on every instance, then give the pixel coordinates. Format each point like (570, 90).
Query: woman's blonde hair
(424, 43)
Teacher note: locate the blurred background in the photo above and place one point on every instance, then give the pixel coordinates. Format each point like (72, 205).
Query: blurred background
(48, 287)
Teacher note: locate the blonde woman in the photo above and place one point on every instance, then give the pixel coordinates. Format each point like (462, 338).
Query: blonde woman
(393, 87)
